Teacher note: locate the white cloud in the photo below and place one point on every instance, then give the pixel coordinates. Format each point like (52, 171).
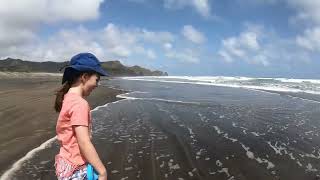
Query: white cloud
(151, 54)
(257, 45)
(123, 42)
(118, 42)
(35, 11)
(111, 42)
(232, 45)
(240, 47)
(250, 40)
(201, 6)
(308, 14)
(167, 46)
(310, 39)
(137, 1)
(157, 37)
(12, 36)
(19, 20)
(186, 55)
(193, 35)
(259, 2)
(64, 44)
(245, 47)
(261, 59)
(307, 10)
(225, 55)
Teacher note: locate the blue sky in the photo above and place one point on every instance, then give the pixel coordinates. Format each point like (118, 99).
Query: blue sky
(260, 38)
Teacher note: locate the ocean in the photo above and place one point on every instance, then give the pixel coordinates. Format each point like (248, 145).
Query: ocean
(181, 127)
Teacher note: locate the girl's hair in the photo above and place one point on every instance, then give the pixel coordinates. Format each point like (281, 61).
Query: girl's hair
(72, 76)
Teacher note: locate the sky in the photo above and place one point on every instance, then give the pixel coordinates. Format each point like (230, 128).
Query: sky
(255, 38)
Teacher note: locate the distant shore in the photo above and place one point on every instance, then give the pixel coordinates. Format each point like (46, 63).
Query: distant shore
(26, 111)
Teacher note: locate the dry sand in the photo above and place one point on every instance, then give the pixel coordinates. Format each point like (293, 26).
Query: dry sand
(26, 112)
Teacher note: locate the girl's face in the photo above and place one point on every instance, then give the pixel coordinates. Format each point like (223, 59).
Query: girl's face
(89, 83)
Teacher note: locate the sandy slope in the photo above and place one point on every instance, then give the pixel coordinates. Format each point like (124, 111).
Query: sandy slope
(27, 116)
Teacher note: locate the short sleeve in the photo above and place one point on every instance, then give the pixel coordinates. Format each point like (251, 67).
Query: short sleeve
(80, 114)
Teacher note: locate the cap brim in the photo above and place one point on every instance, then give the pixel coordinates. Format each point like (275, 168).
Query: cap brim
(67, 71)
(102, 72)
(98, 69)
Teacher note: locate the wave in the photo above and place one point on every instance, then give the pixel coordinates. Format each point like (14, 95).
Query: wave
(157, 99)
(18, 164)
(227, 78)
(310, 86)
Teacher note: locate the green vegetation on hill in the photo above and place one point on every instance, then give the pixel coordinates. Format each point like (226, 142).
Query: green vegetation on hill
(114, 68)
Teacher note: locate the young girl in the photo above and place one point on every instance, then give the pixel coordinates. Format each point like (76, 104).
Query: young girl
(74, 123)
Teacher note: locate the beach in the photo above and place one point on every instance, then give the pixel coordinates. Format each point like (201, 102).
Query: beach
(168, 128)
(27, 115)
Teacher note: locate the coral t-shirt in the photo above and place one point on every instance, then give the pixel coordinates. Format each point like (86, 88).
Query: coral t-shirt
(75, 111)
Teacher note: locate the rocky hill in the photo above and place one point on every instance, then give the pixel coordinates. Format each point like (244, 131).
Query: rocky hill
(114, 68)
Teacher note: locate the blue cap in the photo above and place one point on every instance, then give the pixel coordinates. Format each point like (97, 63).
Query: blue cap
(84, 62)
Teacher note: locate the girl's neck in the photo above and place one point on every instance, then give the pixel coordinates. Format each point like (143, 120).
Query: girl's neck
(77, 90)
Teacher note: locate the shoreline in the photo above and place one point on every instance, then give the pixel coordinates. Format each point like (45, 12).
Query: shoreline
(233, 133)
(27, 107)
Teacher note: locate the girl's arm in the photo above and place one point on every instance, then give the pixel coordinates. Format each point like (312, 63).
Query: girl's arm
(87, 149)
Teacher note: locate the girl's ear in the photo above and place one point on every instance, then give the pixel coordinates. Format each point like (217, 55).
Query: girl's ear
(84, 77)
(98, 77)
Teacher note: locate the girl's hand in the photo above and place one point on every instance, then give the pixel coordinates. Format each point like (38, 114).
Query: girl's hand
(103, 176)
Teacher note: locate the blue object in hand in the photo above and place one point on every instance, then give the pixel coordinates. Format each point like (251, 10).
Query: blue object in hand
(91, 173)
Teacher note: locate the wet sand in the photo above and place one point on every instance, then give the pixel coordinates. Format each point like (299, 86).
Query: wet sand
(243, 135)
(27, 116)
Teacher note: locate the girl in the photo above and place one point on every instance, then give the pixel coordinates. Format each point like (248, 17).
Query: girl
(74, 123)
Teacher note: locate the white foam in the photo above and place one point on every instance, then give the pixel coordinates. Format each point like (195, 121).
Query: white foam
(200, 152)
(250, 155)
(114, 171)
(98, 107)
(277, 148)
(308, 132)
(234, 82)
(315, 81)
(173, 167)
(125, 97)
(190, 131)
(162, 164)
(17, 165)
(125, 136)
(302, 122)
(291, 156)
(224, 170)
(128, 168)
(234, 124)
(310, 168)
(229, 138)
(157, 99)
(258, 134)
(218, 163)
(217, 130)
